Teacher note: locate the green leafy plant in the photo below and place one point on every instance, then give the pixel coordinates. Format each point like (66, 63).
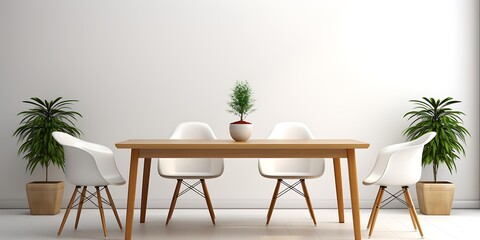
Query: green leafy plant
(241, 103)
(436, 115)
(35, 131)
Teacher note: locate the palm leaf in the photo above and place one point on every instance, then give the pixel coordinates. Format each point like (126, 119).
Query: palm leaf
(431, 114)
(35, 132)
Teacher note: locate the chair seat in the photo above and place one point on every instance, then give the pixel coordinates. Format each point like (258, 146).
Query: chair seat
(117, 180)
(291, 168)
(191, 175)
(291, 175)
(371, 179)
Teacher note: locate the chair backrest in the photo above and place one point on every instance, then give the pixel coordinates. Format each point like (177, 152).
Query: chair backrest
(290, 130)
(294, 131)
(88, 164)
(399, 164)
(169, 167)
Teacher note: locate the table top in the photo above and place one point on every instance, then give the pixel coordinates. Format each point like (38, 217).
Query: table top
(250, 144)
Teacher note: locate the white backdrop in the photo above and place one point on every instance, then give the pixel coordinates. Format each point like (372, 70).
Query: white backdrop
(346, 68)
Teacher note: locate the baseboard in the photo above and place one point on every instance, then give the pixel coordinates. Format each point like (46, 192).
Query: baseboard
(244, 204)
(14, 204)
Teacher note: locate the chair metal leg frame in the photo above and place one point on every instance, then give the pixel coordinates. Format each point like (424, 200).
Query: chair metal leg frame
(84, 198)
(378, 204)
(290, 187)
(191, 187)
(277, 194)
(393, 196)
(204, 194)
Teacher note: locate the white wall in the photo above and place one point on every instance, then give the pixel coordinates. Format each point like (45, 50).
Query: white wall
(346, 68)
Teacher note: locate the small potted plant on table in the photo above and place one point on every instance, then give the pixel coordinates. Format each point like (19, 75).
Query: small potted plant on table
(241, 104)
(39, 148)
(436, 115)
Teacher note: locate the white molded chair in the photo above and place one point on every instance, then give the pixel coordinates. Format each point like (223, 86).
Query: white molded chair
(191, 168)
(291, 168)
(89, 164)
(398, 165)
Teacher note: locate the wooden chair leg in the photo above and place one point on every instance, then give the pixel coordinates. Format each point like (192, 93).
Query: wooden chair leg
(174, 200)
(408, 198)
(307, 199)
(208, 200)
(114, 209)
(410, 211)
(274, 199)
(80, 205)
(413, 219)
(377, 209)
(377, 202)
(70, 204)
(102, 215)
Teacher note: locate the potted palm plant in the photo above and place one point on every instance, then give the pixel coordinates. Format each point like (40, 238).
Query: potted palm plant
(241, 104)
(436, 197)
(40, 149)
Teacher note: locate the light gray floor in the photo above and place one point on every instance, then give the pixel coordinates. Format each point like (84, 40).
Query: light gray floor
(245, 224)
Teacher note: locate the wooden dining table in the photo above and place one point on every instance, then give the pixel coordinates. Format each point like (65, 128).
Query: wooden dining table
(175, 148)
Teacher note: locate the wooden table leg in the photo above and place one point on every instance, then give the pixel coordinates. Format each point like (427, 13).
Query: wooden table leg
(146, 180)
(352, 176)
(338, 185)
(132, 184)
